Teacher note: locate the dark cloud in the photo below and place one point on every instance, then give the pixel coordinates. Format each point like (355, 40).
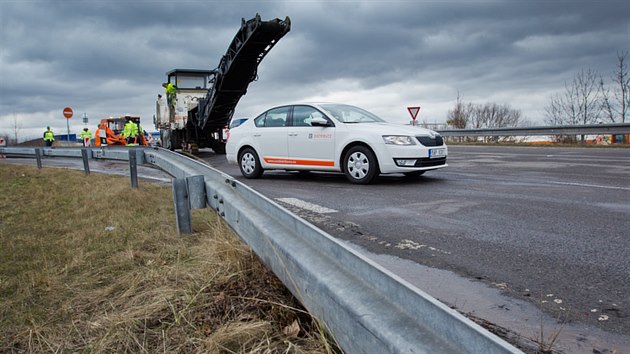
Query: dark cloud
(111, 56)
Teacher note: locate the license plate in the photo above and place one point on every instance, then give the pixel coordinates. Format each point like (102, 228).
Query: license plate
(433, 153)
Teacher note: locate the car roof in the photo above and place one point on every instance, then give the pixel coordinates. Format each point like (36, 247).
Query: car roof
(307, 103)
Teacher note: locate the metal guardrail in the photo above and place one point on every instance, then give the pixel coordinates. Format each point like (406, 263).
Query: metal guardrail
(367, 308)
(616, 128)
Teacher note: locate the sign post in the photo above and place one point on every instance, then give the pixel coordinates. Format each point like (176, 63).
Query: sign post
(67, 112)
(414, 113)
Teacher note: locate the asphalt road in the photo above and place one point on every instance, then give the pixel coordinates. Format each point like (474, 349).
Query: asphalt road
(546, 225)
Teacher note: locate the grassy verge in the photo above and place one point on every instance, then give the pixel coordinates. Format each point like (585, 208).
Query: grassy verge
(88, 264)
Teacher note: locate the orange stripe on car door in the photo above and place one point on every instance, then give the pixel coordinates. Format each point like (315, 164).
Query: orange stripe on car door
(280, 161)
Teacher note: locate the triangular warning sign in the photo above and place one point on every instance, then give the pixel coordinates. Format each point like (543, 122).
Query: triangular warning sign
(413, 111)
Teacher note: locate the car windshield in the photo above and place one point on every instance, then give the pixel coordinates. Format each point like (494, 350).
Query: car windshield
(350, 114)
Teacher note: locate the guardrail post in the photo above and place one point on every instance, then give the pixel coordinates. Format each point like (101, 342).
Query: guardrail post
(38, 156)
(196, 191)
(182, 206)
(133, 168)
(86, 164)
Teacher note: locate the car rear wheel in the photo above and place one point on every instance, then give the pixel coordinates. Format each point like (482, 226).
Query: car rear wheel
(360, 165)
(249, 164)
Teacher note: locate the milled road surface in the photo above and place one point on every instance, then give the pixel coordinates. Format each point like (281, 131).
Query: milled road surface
(546, 225)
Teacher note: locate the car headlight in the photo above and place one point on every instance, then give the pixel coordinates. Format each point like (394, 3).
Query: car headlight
(398, 140)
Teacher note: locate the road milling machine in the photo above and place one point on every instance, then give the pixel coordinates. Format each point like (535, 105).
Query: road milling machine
(196, 116)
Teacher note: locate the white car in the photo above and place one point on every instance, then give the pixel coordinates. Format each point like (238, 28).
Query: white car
(333, 137)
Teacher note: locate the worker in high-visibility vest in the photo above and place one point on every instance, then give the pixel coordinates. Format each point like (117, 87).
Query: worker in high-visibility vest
(86, 137)
(169, 88)
(129, 131)
(171, 99)
(49, 137)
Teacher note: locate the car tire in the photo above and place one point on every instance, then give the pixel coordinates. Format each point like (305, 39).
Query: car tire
(360, 165)
(414, 174)
(249, 163)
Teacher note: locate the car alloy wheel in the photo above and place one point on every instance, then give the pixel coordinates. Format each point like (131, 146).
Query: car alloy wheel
(249, 164)
(360, 165)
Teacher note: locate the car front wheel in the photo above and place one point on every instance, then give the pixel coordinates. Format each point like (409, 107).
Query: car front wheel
(249, 164)
(360, 165)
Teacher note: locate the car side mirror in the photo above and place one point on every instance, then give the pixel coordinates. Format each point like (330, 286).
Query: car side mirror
(319, 122)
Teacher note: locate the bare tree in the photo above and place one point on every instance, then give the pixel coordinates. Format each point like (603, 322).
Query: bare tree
(589, 96)
(493, 115)
(16, 128)
(607, 105)
(581, 102)
(623, 80)
(554, 111)
(488, 115)
(616, 108)
(459, 116)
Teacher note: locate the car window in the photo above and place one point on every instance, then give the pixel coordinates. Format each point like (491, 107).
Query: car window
(276, 117)
(260, 120)
(302, 115)
(350, 114)
(237, 122)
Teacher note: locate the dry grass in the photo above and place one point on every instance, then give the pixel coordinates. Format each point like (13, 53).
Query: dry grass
(89, 264)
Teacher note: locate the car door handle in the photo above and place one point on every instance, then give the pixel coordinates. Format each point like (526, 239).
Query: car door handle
(256, 135)
(293, 134)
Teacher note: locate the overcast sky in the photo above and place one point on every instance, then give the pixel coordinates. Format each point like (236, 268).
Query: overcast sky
(108, 58)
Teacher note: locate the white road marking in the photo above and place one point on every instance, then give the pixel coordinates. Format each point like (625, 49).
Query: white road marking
(589, 185)
(307, 206)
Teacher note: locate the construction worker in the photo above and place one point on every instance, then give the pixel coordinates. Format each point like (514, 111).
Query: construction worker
(130, 131)
(86, 137)
(140, 135)
(170, 93)
(49, 137)
(97, 136)
(170, 99)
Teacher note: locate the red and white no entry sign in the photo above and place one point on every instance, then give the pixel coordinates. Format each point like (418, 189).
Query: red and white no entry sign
(67, 112)
(413, 111)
